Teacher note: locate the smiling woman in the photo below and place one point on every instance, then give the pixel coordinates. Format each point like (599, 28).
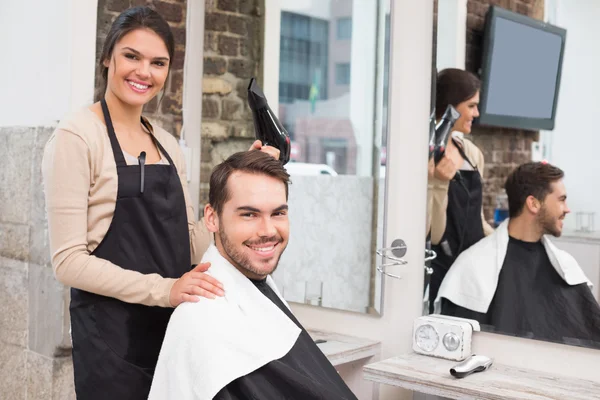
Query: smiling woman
(122, 228)
(454, 191)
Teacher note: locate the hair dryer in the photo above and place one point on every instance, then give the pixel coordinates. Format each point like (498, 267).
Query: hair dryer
(267, 127)
(442, 132)
(431, 134)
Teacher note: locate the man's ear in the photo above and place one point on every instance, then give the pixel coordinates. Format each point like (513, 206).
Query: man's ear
(211, 219)
(533, 205)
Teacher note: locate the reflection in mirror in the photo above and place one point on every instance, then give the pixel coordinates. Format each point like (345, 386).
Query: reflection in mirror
(529, 263)
(332, 80)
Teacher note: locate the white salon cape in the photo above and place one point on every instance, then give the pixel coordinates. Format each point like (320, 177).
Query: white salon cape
(472, 280)
(210, 343)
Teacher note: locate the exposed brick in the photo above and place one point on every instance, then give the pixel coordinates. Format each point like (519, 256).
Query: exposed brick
(136, 3)
(238, 25)
(228, 5)
(245, 47)
(151, 106)
(117, 5)
(211, 85)
(241, 67)
(178, 60)
(210, 108)
(205, 155)
(243, 129)
(523, 9)
(242, 88)
(231, 109)
(211, 43)
(169, 11)
(210, 5)
(249, 7)
(171, 104)
(176, 83)
(216, 22)
(214, 130)
(179, 35)
(228, 46)
(214, 66)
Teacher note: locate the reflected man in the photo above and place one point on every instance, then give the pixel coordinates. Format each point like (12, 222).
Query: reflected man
(516, 281)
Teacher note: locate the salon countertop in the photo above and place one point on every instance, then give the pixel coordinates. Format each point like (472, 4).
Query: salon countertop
(342, 349)
(431, 375)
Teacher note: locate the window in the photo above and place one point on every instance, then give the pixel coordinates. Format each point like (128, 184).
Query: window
(303, 57)
(344, 28)
(342, 74)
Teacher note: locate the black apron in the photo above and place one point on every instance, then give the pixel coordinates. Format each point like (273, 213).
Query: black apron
(464, 226)
(116, 344)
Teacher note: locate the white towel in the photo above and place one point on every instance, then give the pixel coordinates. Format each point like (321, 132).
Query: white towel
(213, 342)
(472, 280)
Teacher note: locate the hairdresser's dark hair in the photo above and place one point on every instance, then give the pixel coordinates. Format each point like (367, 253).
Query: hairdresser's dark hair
(530, 179)
(255, 162)
(128, 21)
(454, 86)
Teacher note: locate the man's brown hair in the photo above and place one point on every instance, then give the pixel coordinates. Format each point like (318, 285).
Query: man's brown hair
(254, 162)
(530, 179)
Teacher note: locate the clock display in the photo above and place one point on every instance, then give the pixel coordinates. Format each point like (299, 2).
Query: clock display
(427, 337)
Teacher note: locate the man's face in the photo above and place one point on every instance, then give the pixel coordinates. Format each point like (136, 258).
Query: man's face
(553, 210)
(253, 228)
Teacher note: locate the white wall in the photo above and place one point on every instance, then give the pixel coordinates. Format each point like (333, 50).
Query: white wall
(38, 39)
(573, 145)
(451, 34)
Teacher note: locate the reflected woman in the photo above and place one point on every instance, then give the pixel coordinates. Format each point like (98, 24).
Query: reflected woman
(454, 189)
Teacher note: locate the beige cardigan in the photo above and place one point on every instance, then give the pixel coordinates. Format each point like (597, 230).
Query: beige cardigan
(437, 196)
(80, 186)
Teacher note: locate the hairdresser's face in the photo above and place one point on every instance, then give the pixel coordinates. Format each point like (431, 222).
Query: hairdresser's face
(138, 67)
(468, 111)
(554, 210)
(253, 228)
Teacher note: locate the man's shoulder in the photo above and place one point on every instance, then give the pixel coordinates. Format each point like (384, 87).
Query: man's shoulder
(481, 250)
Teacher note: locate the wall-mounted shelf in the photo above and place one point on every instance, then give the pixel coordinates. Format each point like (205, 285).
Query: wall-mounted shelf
(431, 376)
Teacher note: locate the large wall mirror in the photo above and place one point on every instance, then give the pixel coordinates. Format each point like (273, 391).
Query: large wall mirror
(553, 297)
(333, 74)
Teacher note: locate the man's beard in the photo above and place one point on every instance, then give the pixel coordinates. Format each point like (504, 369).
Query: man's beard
(548, 223)
(242, 261)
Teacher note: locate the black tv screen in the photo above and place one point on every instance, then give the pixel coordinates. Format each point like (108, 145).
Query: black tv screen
(521, 70)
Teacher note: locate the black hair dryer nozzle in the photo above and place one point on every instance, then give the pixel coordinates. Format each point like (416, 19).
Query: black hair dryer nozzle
(443, 130)
(267, 127)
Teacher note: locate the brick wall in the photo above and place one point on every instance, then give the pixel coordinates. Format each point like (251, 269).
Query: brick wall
(167, 113)
(233, 53)
(503, 149)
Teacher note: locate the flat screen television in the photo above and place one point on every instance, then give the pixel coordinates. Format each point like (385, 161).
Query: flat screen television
(521, 71)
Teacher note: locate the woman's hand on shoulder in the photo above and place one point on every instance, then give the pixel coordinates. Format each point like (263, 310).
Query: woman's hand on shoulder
(270, 150)
(195, 283)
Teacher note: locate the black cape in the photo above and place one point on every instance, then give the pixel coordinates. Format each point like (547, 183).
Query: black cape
(304, 373)
(533, 301)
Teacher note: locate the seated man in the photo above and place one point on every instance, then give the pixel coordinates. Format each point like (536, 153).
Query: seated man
(516, 281)
(247, 344)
